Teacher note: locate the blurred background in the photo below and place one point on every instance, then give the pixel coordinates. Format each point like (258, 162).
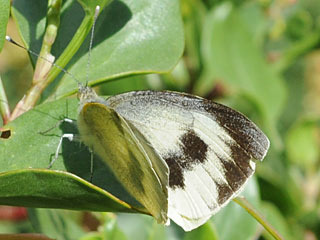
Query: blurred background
(259, 57)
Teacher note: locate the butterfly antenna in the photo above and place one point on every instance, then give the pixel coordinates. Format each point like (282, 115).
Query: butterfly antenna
(9, 39)
(91, 41)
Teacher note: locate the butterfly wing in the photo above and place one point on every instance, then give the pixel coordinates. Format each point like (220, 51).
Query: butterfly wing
(210, 149)
(110, 136)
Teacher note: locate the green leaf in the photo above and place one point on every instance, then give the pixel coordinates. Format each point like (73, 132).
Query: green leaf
(273, 215)
(194, 13)
(56, 224)
(303, 144)
(230, 54)
(25, 155)
(131, 37)
(142, 227)
(132, 83)
(31, 21)
(204, 232)
(280, 185)
(233, 222)
(4, 17)
(111, 230)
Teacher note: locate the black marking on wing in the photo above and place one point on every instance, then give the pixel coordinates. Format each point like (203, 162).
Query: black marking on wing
(193, 147)
(193, 152)
(224, 191)
(176, 179)
(247, 135)
(242, 159)
(233, 174)
(239, 156)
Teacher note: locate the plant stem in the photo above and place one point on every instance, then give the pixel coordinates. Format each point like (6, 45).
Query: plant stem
(72, 47)
(4, 105)
(254, 213)
(43, 78)
(43, 67)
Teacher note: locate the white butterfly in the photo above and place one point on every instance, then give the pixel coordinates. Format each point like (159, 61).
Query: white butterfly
(181, 156)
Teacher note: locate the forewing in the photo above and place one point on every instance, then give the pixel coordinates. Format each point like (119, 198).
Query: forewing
(109, 135)
(210, 149)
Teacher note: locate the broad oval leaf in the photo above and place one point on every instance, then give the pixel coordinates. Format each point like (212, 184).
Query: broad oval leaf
(131, 37)
(231, 54)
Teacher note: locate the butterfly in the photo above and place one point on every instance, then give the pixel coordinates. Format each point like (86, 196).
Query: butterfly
(181, 156)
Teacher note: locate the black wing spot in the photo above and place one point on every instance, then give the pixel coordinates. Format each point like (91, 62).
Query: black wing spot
(224, 191)
(176, 179)
(242, 159)
(193, 152)
(194, 148)
(234, 175)
(251, 139)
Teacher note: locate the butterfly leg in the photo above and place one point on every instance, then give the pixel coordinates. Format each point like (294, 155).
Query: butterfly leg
(67, 120)
(91, 164)
(70, 137)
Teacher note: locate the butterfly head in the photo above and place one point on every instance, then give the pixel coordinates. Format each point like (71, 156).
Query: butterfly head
(86, 94)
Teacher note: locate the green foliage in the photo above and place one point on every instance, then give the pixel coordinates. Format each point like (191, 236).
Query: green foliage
(226, 39)
(4, 16)
(56, 224)
(251, 55)
(303, 144)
